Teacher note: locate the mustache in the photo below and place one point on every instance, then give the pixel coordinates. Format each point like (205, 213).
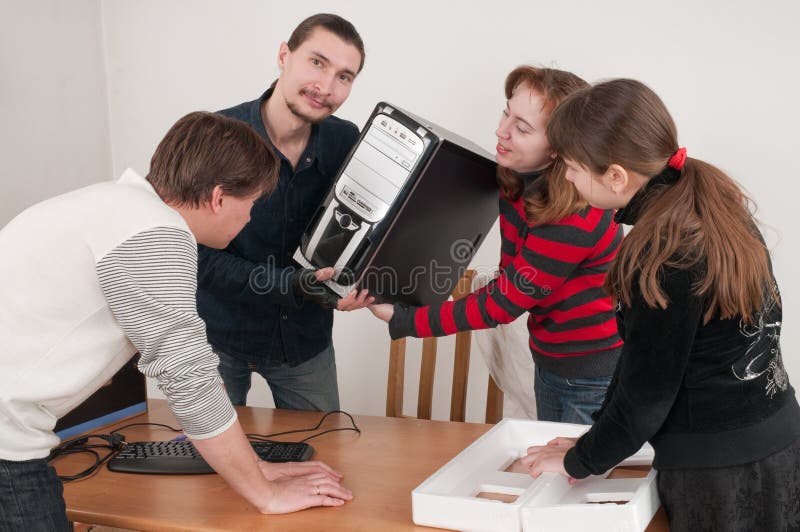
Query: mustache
(316, 96)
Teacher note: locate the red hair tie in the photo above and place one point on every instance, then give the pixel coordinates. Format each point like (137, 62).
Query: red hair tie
(677, 160)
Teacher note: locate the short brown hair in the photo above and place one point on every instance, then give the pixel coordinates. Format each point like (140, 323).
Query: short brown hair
(204, 150)
(556, 198)
(334, 24)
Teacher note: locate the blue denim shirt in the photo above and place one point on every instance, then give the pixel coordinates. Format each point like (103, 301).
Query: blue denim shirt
(262, 320)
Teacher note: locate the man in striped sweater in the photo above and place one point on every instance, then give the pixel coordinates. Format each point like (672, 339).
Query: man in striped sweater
(95, 275)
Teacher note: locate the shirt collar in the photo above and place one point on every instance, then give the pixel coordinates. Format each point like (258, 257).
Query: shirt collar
(131, 178)
(531, 182)
(631, 212)
(529, 177)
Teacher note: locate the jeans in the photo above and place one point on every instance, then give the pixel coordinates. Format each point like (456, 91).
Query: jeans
(31, 498)
(568, 400)
(310, 386)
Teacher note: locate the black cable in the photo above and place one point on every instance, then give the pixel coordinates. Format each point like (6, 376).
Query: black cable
(262, 437)
(356, 429)
(114, 443)
(173, 429)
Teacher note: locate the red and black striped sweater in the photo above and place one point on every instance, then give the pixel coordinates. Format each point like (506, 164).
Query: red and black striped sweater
(555, 272)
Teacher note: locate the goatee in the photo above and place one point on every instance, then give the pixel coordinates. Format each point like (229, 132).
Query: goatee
(295, 110)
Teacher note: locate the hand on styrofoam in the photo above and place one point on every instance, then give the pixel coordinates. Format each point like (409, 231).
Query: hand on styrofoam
(546, 459)
(563, 442)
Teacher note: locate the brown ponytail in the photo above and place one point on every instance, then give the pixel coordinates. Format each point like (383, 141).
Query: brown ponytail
(703, 220)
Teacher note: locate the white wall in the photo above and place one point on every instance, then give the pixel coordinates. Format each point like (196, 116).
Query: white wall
(54, 135)
(727, 70)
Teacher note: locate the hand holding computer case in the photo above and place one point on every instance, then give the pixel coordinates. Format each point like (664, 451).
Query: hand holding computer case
(406, 212)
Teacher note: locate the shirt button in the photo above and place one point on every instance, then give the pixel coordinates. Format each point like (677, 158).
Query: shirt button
(308, 159)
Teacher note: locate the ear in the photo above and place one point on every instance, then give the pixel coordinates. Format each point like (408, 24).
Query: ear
(617, 179)
(217, 196)
(283, 51)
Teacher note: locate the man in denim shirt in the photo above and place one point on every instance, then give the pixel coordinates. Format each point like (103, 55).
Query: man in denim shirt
(258, 316)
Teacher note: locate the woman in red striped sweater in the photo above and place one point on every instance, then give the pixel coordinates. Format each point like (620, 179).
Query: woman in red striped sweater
(555, 252)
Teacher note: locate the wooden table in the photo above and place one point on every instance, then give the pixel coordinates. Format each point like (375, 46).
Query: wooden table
(382, 466)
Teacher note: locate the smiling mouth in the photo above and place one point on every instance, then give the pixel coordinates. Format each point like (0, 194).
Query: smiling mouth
(501, 150)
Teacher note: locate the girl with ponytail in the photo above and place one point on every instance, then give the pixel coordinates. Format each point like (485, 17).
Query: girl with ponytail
(701, 375)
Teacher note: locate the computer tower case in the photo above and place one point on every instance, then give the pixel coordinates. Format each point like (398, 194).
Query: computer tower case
(406, 212)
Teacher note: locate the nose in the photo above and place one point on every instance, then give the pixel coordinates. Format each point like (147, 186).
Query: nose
(502, 128)
(325, 83)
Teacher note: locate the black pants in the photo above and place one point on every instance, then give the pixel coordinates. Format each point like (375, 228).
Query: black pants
(760, 496)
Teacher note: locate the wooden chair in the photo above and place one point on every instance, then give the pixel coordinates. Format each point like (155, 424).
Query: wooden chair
(458, 396)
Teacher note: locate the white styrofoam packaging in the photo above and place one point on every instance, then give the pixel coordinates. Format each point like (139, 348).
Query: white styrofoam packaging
(447, 499)
(621, 504)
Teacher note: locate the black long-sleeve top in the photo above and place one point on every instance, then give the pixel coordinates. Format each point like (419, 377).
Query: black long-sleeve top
(704, 395)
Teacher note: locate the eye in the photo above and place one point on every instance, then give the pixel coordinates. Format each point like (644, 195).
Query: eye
(522, 128)
(345, 78)
(316, 62)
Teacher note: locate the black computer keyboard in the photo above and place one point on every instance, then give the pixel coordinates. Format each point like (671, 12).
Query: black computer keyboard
(181, 458)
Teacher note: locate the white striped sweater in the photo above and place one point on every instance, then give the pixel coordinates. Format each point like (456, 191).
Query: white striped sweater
(89, 278)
